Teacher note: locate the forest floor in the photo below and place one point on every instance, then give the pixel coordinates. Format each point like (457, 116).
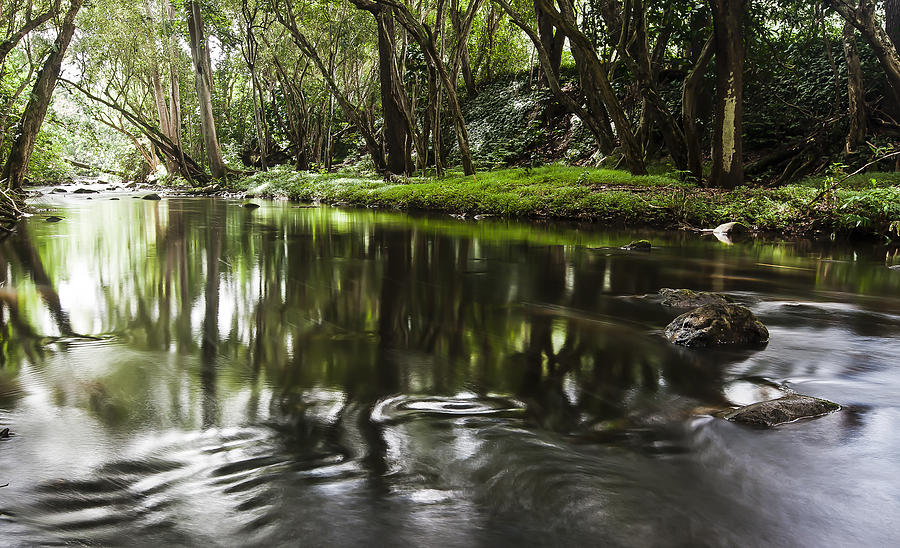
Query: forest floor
(867, 205)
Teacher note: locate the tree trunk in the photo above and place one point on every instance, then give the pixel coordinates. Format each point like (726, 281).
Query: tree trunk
(351, 111)
(892, 21)
(425, 38)
(689, 103)
(36, 109)
(552, 41)
(855, 91)
(599, 84)
(203, 83)
(862, 16)
(598, 124)
(727, 147)
(396, 135)
(462, 36)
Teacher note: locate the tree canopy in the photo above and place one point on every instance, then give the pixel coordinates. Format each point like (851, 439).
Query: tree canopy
(722, 92)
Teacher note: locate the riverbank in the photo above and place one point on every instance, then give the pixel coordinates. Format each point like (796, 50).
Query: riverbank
(11, 210)
(864, 206)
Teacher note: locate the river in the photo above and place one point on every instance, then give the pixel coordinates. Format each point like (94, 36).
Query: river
(190, 372)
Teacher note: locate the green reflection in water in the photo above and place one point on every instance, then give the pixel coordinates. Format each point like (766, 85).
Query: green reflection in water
(194, 313)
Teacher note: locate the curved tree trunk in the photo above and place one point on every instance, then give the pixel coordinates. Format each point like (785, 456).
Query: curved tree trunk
(855, 91)
(598, 82)
(553, 42)
(597, 123)
(36, 109)
(689, 103)
(862, 16)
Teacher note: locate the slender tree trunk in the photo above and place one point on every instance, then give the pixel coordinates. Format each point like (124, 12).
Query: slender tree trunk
(203, 82)
(596, 120)
(36, 109)
(599, 84)
(727, 147)
(426, 40)
(258, 119)
(351, 111)
(862, 16)
(855, 91)
(689, 102)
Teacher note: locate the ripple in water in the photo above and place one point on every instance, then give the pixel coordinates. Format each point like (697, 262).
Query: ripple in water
(406, 407)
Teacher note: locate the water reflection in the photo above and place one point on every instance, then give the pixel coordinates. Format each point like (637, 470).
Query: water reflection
(195, 372)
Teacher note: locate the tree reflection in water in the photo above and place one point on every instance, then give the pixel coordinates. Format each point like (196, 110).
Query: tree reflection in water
(393, 344)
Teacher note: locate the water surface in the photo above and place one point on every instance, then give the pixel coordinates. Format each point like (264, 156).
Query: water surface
(191, 372)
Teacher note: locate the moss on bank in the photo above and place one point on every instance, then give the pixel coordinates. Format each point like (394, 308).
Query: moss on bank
(867, 207)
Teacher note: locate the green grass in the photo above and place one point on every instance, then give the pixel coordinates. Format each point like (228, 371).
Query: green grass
(604, 195)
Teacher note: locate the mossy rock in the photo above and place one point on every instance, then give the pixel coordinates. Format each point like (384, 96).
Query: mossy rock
(715, 325)
(688, 298)
(638, 245)
(781, 410)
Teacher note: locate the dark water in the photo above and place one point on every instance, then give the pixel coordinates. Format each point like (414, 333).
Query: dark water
(190, 372)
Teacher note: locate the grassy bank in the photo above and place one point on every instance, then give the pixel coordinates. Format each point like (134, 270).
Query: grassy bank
(863, 206)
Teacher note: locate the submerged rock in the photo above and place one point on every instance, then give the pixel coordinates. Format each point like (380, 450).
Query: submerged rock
(151, 196)
(59, 191)
(53, 219)
(716, 324)
(4, 433)
(638, 245)
(84, 191)
(687, 298)
(782, 410)
(251, 205)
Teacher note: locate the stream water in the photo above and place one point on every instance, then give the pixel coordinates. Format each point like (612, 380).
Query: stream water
(189, 372)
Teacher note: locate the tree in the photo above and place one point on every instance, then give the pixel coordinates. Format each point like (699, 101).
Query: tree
(28, 25)
(861, 14)
(727, 144)
(36, 110)
(396, 128)
(203, 82)
(855, 91)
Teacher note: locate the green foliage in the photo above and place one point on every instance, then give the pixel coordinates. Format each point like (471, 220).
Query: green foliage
(604, 195)
(47, 164)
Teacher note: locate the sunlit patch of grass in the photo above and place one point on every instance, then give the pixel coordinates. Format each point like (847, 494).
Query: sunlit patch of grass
(602, 195)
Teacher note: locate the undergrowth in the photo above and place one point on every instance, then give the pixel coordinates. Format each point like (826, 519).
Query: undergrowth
(603, 195)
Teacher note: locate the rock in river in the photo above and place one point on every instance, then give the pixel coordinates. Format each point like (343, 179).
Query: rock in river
(84, 191)
(779, 411)
(687, 298)
(151, 196)
(715, 324)
(638, 245)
